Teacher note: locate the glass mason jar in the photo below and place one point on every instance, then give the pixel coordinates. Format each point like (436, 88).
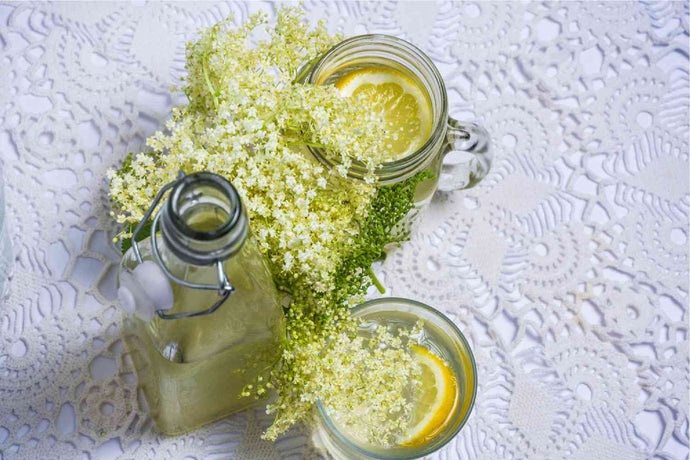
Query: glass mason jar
(473, 160)
(205, 318)
(439, 335)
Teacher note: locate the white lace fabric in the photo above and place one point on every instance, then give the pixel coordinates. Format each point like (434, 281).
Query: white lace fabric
(567, 268)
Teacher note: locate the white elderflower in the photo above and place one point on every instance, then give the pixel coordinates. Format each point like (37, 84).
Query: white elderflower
(249, 121)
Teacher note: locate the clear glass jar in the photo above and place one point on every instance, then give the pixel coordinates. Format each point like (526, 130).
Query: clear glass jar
(466, 169)
(441, 337)
(206, 316)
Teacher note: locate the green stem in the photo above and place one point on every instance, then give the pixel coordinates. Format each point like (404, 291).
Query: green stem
(376, 281)
(270, 116)
(211, 89)
(310, 144)
(305, 69)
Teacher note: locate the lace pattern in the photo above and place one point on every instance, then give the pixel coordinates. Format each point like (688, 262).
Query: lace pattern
(567, 268)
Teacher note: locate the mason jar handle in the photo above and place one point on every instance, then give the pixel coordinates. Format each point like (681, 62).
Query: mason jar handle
(472, 142)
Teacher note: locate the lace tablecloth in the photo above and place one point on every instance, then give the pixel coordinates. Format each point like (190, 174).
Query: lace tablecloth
(567, 268)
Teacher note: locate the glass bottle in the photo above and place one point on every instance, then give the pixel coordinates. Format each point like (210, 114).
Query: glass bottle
(205, 315)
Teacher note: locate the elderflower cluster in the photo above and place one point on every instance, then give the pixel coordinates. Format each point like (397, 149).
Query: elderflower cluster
(360, 380)
(363, 381)
(248, 120)
(251, 121)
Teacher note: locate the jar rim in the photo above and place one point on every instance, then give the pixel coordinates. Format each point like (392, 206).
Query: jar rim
(425, 449)
(219, 183)
(399, 169)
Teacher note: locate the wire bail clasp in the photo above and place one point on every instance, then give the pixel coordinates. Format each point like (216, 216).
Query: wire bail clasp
(224, 288)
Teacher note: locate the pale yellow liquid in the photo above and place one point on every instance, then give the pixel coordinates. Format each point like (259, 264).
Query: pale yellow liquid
(397, 96)
(396, 107)
(192, 370)
(441, 345)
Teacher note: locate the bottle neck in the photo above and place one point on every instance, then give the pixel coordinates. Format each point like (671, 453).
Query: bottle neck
(204, 220)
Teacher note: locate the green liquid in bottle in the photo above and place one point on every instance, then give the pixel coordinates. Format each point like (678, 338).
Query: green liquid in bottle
(192, 370)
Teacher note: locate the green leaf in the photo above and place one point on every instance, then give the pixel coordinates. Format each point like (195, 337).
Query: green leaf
(382, 227)
(143, 234)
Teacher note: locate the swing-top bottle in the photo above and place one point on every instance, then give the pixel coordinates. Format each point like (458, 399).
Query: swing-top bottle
(204, 316)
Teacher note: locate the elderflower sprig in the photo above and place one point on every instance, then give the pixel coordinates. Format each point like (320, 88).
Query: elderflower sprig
(249, 120)
(315, 320)
(365, 379)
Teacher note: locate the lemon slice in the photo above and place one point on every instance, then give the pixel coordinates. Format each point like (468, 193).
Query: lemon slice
(403, 105)
(437, 401)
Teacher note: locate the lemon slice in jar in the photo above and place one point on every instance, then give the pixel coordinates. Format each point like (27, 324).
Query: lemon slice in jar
(436, 401)
(404, 106)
